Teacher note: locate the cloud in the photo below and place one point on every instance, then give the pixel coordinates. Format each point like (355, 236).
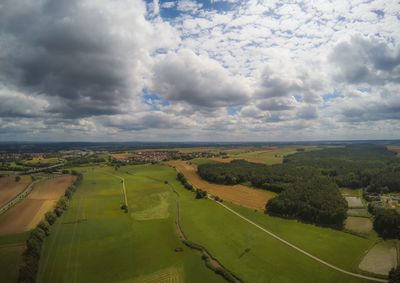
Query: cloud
(366, 60)
(198, 80)
(88, 57)
(188, 5)
(255, 70)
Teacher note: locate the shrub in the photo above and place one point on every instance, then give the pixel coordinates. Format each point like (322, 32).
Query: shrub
(200, 194)
(51, 217)
(394, 275)
(44, 225)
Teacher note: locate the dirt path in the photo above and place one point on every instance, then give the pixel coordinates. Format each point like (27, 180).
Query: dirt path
(299, 249)
(123, 188)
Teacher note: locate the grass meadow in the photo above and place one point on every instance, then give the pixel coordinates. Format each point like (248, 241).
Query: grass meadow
(95, 241)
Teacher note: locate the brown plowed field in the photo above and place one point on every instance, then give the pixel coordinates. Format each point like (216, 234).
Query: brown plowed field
(29, 212)
(238, 194)
(52, 189)
(9, 188)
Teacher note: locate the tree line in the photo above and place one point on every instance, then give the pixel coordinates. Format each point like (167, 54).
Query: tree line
(307, 182)
(31, 256)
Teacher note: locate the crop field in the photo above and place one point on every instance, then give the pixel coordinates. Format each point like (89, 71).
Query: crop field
(380, 259)
(359, 224)
(9, 188)
(139, 246)
(95, 241)
(395, 148)
(347, 192)
(358, 212)
(42, 160)
(11, 248)
(267, 155)
(29, 212)
(256, 257)
(354, 202)
(239, 194)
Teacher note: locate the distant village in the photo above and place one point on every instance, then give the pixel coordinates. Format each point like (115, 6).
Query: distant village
(159, 156)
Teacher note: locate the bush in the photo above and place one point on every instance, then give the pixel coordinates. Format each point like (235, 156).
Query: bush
(124, 207)
(44, 225)
(51, 217)
(200, 194)
(394, 275)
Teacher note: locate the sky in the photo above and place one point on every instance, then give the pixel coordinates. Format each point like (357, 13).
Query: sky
(211, 70)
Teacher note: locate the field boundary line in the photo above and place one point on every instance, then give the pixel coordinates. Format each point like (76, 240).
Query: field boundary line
(297, 248)
(123, 188)
(19, 197)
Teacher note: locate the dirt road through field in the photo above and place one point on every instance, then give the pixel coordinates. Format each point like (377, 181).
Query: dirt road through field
(299, 249)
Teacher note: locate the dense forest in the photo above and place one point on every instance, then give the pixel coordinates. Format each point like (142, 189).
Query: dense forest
(308, 181)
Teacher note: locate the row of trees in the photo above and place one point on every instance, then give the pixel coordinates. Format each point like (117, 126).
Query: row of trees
(199, 193)
(181, 178)
(307, 181)
(30, 264)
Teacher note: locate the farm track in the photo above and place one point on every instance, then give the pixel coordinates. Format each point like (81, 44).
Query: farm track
(123, 188)
(299, 249)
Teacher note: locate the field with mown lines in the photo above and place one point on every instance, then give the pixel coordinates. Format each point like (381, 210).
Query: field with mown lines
(95, 241)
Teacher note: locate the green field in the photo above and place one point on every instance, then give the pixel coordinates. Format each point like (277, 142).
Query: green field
(95, 241)
(41, 160)
(11, 249)
(266, 156)
(256, 257)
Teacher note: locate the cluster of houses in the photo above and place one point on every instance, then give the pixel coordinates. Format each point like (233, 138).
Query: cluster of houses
(159, 156)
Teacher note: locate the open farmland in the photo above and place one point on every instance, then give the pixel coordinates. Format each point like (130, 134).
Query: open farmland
(9, 188)
(380, 259)
(87, 240)
(358, 224)
(354, 202)
(395, 148)
(29, 212)
(239, 194)
(42, 161)
(95, 241)
(269, 155)
(255, 257)
(11, 249)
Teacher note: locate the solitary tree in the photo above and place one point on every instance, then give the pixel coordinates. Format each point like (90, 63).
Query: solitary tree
(17, 178)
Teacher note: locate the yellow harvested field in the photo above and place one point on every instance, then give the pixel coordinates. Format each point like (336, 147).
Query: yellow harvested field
(9, 188)
(29, 212)
(238, 194)
(47, 205)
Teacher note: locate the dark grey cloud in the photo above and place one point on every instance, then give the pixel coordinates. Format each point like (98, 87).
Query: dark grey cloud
(272, 85)
(198, 80)
(153, 120)
(307, 112)
(277, 104)
(382, 107)
(366, 60)
(77, 55)
(276, 86)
